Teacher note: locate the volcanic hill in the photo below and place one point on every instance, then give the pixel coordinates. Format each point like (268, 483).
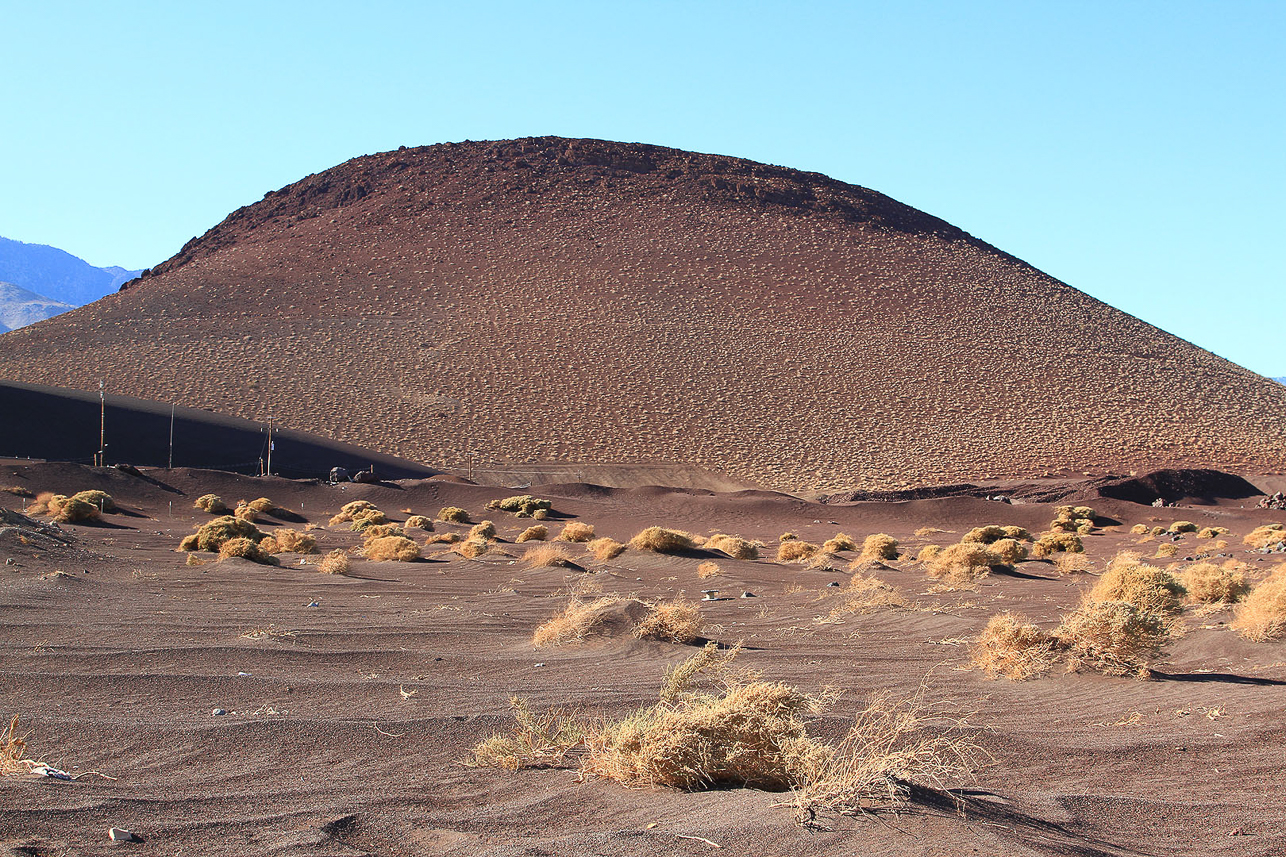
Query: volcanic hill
(555, 300)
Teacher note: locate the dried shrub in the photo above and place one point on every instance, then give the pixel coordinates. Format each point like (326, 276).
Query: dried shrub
(574, 622)
(983, 535)
(964, 564)
(264, 505)
(840, 542)
(538, 533)
(1207, 583)
(661, 540)
(442, 539)
(293, 541)
(245, 548)
(392, 549)
(379, 531)
(928, 553)
(17, 491)
(707, 570)
(189, 543)
(536, 741)
(1267, 536)
(879, 546)
(350, 510)
(1010, 550)
(367, 518)
(1147, 587)
(100, 499)
(674, 622)
(246, 513)
(1140, 529)
(485, 530)
(867, 594)
(785, 537)
(605, 548)
(575, 531)
(335, 562)
(547, 555)
(1012, 647)
(211, 535)
(925, 532)
(734, 546)
(795, 550)
(1261, 616)
(1167, 549)
(419, 522)
(211, 503)
(523, 505)
(1057, 542)
(1182, 527)
(1211, 532)
(453, 515)
(472, 548)
(1071, 563)
(12, 748)
(1112, 637)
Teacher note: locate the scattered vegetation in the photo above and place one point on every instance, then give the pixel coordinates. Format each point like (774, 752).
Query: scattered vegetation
(708, 569)
(293, 541)
(1211, 532)
(1261, 616)
(661, 540)
(992, 533)
(1014, 648)
(1057, 542)
(547, 555)
(734, 546)
(1112, 637)
(335, 562)
(840, 542)
(419, 522)
(1182, 527)
(523, 505)
(367, 518)
(794, 550)
(574, 622)
(1012, 551)
(483, 530)
(877, 547)
(964, 564)
(605, 548)
(211, 503)
(538, 533)
(350, 510)
(391, 549)
(674, 622)
(1073, 519)
(245, 548)
(12, 748)
(211, 535)
(442, 539)
(1147, 587)
(453, 515)
(18, 491)
(472, 548)
(575, 531)
(1267, 536)
(785, 537)
(1207, 583)
(536, 741)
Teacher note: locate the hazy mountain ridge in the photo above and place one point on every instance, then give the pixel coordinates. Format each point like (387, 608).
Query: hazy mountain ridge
(57, 275)
(20, 307)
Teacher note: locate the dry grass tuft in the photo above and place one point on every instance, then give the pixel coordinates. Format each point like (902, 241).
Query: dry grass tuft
(522, 505)
(12, 748)
(1072, 563)
(1207, 583)
(661, 540)
(866, 595)
(1073, 519)
(367, 518)
(674, 622)
(442, 539)
(574, 622)
(245, 513)
(335, 562)
(538, 533)
(1140, 529)
(785, 537)
(879, 546)
(211, 503)
(264, 505)
(605, 548)
(734, 546)
(707, 570)
(794, 550)
(964, 564)
(1010, 550)
(17, 491)
(484, 530)
(1166, 550)
(350, 510)
(419, 522)
(1057, 542)
(391, 549)
(246, 548)
(547, 555)
(841, 542)
(1112, 637)
(1012, 647)
(928, 553)
(575, 531)
(293, 541)
(211, 535)
(472, 548)
(1267, 536)
(379, 531)
(1182, 527)
(64, 509)
(925, 532)
(1211, 532)
(1261, 616)
(537, 740)
(1129, 579)
(453, 515)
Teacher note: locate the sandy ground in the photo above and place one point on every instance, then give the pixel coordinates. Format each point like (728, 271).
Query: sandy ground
(351, 700)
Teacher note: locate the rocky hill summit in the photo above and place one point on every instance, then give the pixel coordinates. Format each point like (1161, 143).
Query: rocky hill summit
(491, 304)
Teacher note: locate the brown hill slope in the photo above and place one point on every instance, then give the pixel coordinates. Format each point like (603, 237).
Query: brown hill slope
(577, 300)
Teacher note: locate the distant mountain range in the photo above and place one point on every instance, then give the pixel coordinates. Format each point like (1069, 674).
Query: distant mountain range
(37, 282)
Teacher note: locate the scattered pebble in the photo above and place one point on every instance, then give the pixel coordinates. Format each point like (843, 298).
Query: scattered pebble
(749, 595)
(120, 834)
(833, 583)
(218, 712)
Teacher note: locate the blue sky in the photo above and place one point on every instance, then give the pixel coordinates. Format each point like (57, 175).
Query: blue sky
(1132, 149)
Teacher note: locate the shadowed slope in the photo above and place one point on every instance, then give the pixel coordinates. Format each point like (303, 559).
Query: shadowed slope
(575, 300)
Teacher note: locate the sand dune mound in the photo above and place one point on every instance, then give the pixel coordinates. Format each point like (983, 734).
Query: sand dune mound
(496, 305)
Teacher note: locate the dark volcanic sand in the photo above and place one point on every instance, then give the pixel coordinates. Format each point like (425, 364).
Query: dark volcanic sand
(346, 722)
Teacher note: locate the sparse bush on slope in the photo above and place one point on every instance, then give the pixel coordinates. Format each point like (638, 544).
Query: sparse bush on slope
(1261, 616)
(522, 506)
(661, 540)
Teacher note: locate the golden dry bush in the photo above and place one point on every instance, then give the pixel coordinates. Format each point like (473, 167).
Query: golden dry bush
(293, 541)
(840, 542)
(484, 530)
(211, 535)
(1057, 542)
(547, 555)
(928, 553)
(367, 518)
(785, 537)
(538, 533)
(983, 535)
(245, 548)
(1012, 647)
(707, 570)
(350, 510)
(1261, 615)
(574, 622)
(661, 540)
(442, 539)
(1071, 563)
(522, 506)
(823, 561)
(605, 548)
(189, 543)
(12, 748)
(1073, 519)
(379, 531)
(1112, 637)
(1182, 527)
(1211, 532)
(335, 562)
(264, 505)
(64, 509)
(101, 499)
(734, 546)
(472, 548)
(269, 545)
(1158, 531)
(536, 741)
(1267, 536)
(391, 549)
(878, 547)
(1207, 583)
(867, 594)
(453, 515)
(1010, 550)
(211, 503)
(1167, 549)
(575, 531)
(18, 491)
(964, 564)
(1140, 529)
(1129, 579)
(246, 513)
(419, 522)
(675, 621)
(794, 550)
(925, 532)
